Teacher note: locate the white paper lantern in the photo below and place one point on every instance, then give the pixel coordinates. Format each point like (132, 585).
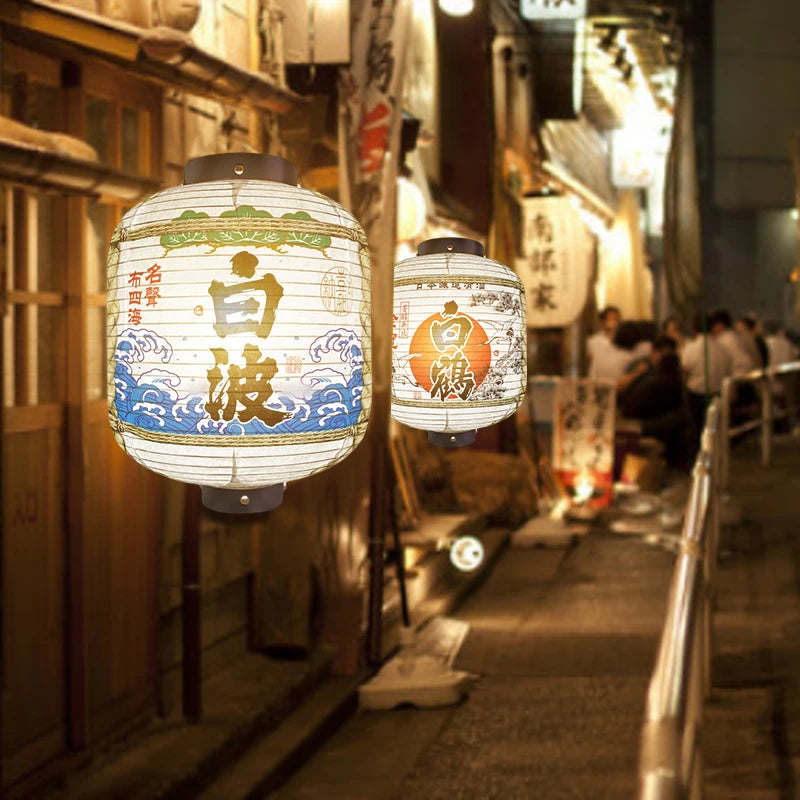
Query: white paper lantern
(556, 263)
(459, 341)
(238, 331)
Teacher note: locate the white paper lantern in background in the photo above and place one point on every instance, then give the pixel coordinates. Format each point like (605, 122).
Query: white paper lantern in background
(556, 263)
(412, 210)
(238, 331)
(458, 343)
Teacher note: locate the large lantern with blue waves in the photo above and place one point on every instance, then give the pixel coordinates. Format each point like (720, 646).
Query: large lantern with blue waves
(238, 331)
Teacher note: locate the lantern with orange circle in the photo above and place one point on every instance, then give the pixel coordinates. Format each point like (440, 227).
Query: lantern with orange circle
(458, 341)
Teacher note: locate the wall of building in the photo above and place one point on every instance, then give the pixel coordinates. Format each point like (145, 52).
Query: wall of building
(756, 107)
(750, 236)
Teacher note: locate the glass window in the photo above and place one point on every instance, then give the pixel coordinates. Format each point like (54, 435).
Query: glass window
(130, 140)
(95, 352)
(51, 355)
(43, 107)
(96, 247)
(98, 126)
(51, 246)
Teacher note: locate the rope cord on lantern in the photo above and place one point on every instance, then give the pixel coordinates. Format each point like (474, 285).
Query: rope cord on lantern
(257, 440)
(487, 281)
(465, 404)
(275, 224)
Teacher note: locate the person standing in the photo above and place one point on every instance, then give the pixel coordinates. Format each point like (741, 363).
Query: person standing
(722, 331)
(601, 341)
(781, 350)
(706, 363)
(671, 327)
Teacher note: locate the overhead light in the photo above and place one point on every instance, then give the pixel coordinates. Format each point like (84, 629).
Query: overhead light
(457, 8)
(412, 210)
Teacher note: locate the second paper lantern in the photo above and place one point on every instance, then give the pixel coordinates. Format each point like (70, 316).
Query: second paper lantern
(458, 341)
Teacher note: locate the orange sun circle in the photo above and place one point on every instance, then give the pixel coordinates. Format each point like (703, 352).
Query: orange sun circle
(477, 351)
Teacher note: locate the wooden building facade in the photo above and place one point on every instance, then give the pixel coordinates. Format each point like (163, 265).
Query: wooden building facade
(96, 114)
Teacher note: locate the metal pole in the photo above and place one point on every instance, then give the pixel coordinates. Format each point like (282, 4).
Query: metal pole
(766, 421)
(190, 591)
(724, 433)
(377, 536)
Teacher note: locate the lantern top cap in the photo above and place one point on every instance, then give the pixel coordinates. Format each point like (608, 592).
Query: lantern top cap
(450, 244)
(240, 166)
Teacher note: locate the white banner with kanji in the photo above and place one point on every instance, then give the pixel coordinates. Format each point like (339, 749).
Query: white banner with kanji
(583, 436)
(557, 253)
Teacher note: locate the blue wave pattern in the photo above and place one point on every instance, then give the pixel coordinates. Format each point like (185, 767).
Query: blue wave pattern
(151, 400)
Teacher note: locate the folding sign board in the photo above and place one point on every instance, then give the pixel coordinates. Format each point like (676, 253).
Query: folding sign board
(583, 441)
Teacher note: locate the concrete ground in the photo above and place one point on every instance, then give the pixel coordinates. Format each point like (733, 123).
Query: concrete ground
(565, 640)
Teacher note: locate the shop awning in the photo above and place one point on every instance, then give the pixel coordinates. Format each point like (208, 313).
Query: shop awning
(160, 55)
(44, 160)
(575, 156)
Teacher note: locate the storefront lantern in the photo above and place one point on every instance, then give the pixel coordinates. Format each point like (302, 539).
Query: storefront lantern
(458, 343)
(238, 331)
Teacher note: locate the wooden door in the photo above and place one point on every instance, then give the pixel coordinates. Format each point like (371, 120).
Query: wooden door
(33, 440)
(116, 511)
(81, 520)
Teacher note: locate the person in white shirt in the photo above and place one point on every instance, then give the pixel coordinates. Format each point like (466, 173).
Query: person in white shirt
(612, 361)
(601, 341)
(706, 363)
(672, 328)
(722, 331)
(781, 350)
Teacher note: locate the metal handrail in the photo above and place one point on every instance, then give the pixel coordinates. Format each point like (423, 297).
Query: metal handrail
(764, 378)
(671, 756)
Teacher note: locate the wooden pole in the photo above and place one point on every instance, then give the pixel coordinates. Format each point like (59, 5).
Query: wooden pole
(190, 590)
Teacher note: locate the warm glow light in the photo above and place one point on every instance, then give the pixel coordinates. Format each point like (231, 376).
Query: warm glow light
(457, 8)
(794, 214)
(238, 330)
(412, 211)
(583, 488)
(466, 553)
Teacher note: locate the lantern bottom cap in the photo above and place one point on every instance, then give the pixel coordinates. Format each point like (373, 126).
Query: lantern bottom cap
(242, 501)
(452, 439)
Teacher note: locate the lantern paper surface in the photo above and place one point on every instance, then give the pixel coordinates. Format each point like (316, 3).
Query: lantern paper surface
(458, 344)
(238, 331)
(556, 263)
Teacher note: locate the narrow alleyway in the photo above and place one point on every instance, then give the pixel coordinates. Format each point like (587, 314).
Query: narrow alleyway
(564, 641)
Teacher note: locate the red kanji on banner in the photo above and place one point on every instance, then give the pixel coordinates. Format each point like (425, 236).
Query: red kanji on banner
(373, 138)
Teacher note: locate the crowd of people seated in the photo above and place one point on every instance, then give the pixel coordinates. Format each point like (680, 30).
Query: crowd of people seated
(665, 378)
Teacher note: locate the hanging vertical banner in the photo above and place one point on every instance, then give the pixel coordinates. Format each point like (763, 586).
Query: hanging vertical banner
(583, 440)
(556, 261)
(371, 92)
(552, 9)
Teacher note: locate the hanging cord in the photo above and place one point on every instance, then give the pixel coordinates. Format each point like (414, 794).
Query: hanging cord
(312, 40)
(399, 561)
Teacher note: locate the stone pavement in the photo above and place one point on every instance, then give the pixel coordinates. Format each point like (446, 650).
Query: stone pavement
(752, 732)
(564, 641)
